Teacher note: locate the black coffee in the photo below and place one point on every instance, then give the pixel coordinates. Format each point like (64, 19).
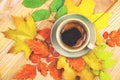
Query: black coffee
(70, 37)
(73, 35)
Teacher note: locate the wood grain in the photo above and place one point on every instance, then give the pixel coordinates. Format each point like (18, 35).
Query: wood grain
(19, 10)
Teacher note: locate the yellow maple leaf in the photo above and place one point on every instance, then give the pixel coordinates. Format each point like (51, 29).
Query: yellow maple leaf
(102, 22)
(91, 59)
(86, 8)
(25, 30)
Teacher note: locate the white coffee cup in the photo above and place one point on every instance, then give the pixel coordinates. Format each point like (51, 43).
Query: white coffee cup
(85, 44)
(73, 51)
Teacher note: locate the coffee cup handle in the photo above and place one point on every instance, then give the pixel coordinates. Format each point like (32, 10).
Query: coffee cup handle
(91, 46)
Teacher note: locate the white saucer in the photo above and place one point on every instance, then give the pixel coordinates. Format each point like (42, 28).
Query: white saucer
(63, 52)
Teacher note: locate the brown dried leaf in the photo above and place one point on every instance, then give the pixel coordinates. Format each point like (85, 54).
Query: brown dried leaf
(102, 5)
(77, 2)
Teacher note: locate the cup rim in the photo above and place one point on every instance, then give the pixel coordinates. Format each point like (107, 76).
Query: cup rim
(67, 53)
(60, 41)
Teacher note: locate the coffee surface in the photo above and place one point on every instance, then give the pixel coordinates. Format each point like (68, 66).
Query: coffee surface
(73, 35)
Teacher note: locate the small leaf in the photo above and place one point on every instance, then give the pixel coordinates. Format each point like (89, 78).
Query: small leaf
(39, 47)
(62, 11)
(28, 71)
(104, 76)
(40, 15)
(33, 3)
(77, 2)
(42, 68)
(56, 4)
(108, 63)
(103, 54)
(76, 63)
(45, 33)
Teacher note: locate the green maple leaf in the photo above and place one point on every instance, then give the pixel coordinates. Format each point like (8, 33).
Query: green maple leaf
(25, 30)
(104, 76)
(108, 63)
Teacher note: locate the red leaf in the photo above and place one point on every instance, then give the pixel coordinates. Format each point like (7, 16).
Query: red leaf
(52, 65)
(118, 41)
(56, 54)
(53, 57)
(76, 63)
(39, 47)
(110, 42)
(48, 40)
(54, 72)
(28, 71)
(49, 59)
(42, 67)
(45, 33)
(35, 58)
(51, 49)
(113, 34)
(105, 35)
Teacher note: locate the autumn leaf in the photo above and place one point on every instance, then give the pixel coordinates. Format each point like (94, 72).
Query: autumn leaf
(76, 63)
(41, 14)
(25, 30)
(55, 5)
(92, 60)
(54, 57)
(33, 3)
(103, 55)
(35, 58)
(42, 67)
(102, 22)
(27, 72)
(61, 12)
(54, 72)
(104, 76)
(86, 7)
(39, 47)
(108, 63)
(45, 33)
(77, 2)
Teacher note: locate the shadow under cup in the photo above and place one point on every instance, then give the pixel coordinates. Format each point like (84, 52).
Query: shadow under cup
(73, 35)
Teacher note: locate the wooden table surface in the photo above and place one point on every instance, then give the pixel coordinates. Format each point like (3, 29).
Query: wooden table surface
(18, 60)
